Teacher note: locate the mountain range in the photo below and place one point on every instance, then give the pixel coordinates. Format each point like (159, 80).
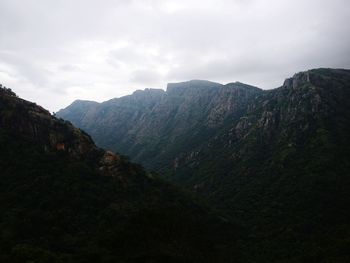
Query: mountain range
(63, 199)
(275, 161)
(233, 173)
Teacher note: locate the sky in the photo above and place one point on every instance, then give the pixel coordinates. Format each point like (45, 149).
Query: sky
(53, 52)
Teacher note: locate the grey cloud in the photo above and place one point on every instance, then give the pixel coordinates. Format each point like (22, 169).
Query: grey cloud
(146, 77)
(69, 68)
(26, 69)
(65, 50)
(127, 55)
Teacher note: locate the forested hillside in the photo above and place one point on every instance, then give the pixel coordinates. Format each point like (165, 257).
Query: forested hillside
(65, 200)
(275, 160)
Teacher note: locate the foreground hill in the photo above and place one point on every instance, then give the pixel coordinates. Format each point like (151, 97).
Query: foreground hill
(277, 160)
(63, 199)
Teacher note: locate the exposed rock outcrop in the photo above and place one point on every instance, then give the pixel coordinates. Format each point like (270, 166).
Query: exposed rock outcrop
(54, 134)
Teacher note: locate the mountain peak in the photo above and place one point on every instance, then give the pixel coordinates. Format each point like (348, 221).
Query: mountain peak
(240, 85)
(148, 92)
(315, 77)
(84, 102)
(194, 84)
(297, 80)
(6, 91)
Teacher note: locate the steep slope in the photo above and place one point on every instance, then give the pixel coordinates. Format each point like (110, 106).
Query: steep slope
(277, 160)
(65, 200)
(153, 127)
(283, 168)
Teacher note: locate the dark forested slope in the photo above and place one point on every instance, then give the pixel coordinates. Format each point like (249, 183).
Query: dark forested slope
(63, 199)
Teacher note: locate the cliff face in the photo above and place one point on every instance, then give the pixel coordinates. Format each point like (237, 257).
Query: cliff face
(308, 116)
(30, 120)
(153, 126)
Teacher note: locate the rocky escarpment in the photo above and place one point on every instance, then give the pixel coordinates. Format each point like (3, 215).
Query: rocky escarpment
(53, 134)
(191, 87)
(283, 119)
(33, 121)
(146, 124)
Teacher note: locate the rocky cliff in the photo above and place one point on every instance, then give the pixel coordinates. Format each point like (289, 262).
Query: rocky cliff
(150, 126)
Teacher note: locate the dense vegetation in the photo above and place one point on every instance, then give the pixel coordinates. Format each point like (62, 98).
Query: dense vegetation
(276, 161)
(57, 205)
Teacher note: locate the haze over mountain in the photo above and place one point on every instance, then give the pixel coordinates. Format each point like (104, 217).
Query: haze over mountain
(276, 160)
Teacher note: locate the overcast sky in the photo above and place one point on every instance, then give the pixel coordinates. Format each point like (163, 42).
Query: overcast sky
(55, 51)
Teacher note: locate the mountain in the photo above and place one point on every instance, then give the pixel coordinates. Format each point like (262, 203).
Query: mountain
(153, 127)
(63, 199)
(275, 160)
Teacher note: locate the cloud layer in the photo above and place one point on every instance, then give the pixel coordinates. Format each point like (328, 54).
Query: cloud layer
(53, 52)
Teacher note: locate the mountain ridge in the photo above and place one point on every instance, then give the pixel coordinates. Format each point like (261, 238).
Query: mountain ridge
(176, 98)
(275, 160)
(287, 82)
(172, 85)
(215, 105)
